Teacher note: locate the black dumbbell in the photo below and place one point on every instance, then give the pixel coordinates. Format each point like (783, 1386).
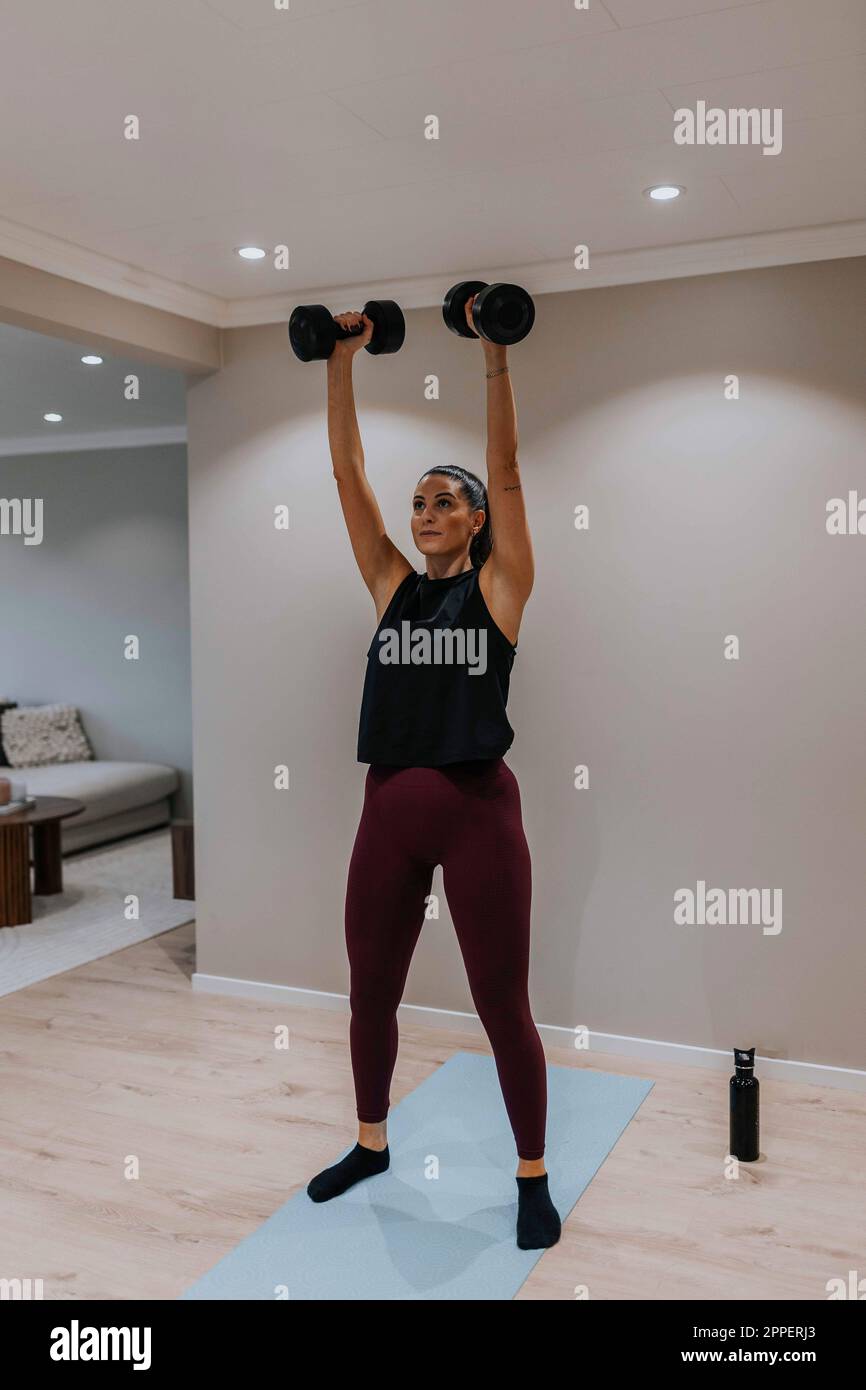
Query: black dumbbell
(313, 330)
(501, 313)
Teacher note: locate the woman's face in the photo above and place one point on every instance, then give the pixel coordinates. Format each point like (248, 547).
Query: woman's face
(442, 521)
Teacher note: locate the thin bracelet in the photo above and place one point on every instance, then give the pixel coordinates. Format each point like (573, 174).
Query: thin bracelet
(497, 372)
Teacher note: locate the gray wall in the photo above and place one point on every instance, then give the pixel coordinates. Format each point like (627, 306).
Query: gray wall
(113, 561)
(707, 519)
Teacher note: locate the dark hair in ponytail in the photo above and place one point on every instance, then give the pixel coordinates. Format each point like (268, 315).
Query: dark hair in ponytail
(474, 492)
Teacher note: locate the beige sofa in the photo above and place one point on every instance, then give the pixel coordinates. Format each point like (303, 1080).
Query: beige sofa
(120, 798)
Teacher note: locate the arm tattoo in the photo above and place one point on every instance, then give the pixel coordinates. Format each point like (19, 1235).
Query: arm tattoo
(515, 487)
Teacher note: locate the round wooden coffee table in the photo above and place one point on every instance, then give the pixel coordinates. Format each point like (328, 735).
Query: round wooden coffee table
(44, 817)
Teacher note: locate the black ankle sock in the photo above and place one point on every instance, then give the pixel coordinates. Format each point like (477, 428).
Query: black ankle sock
(359, 1163)
(538, 1223)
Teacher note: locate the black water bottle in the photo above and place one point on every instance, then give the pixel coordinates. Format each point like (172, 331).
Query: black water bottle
(744, 1089)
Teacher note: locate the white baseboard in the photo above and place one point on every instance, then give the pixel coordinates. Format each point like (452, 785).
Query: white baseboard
(618, 1045)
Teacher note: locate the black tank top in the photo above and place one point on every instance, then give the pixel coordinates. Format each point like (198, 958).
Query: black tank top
(437, 677)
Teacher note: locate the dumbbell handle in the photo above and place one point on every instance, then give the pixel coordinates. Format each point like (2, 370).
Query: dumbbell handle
(343, 332)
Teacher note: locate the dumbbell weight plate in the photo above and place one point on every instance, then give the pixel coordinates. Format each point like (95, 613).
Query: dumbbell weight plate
(503, 313)
(312, 332)
(454, 306)
(389, 326)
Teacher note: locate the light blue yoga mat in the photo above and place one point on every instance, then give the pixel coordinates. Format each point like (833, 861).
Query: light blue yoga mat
(405, 1234)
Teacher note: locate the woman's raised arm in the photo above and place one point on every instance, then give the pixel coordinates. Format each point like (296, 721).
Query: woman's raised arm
(381, 564)
(508, 574)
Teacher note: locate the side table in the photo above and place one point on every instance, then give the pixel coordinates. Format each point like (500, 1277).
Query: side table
(183, 858)
(43, 819)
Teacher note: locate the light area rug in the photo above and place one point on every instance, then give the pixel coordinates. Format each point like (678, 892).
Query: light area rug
(88, 919)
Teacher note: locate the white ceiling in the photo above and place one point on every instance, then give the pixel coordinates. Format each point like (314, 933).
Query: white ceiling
(306, 128)
(39, 374)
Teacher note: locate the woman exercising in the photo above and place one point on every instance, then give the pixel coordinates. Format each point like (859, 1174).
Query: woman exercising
(433, 728)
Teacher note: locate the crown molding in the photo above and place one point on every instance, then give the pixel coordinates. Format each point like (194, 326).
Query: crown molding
(45, 252)
(99, 439)
(712, 257)
(759, 249)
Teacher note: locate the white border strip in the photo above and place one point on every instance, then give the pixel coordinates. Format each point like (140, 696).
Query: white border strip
(99, 439)
(787, 247)
(645, 1049)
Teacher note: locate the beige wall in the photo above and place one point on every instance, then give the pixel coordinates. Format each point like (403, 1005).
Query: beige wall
(707, 519)
(45, 303)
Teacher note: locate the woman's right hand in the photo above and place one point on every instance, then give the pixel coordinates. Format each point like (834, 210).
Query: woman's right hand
(347, 347)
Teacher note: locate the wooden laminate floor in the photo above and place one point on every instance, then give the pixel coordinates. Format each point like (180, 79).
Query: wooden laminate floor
(118, 1062)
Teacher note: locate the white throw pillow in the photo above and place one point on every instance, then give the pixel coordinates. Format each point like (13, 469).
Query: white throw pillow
(40, 734)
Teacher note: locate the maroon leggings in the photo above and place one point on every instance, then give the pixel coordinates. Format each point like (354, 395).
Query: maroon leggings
(466, 817)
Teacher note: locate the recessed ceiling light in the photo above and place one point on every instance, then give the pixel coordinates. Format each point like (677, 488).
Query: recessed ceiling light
(91, 360)
(52, 417)
(663, 192)
(251, 253)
